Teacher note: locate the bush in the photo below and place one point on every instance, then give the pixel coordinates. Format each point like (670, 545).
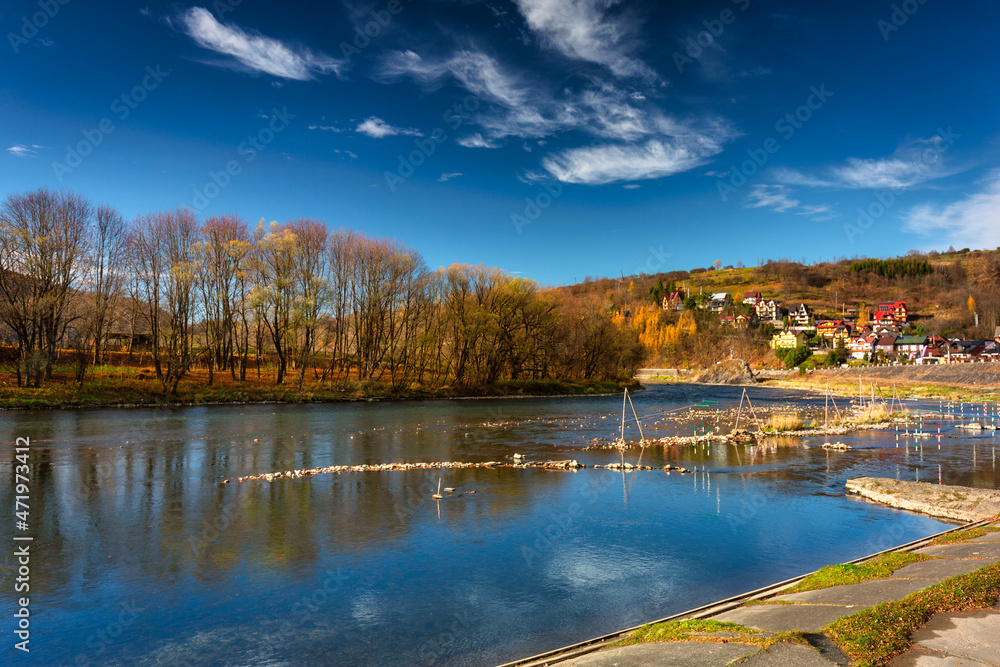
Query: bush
(796, 356)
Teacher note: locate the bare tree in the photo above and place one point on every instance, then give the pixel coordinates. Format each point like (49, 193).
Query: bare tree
(44, 237)
(107, 261)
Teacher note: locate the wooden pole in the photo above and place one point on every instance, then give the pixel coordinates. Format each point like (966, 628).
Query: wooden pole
(740, 410)
(754, 413)
(624, 399)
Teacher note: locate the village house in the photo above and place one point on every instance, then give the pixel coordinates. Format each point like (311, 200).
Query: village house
(895, 309)
(833, 331)
(674, 300)
(719, 302)
(911, 346)
(800, 314)
(743, 321)
(752, 298)
(862, 346)
(788, 339)
(768, 310)
(887, 346)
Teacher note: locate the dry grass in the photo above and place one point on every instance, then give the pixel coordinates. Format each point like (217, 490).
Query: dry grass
(784, 422)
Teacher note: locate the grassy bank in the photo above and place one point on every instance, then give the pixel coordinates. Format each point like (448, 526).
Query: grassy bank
(115, 386)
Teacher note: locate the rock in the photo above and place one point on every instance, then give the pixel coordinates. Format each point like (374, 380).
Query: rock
(730, 371)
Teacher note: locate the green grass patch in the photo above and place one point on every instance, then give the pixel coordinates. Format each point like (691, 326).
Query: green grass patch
(873, 637)
(696, 631)
(879, 567)
(964, 535)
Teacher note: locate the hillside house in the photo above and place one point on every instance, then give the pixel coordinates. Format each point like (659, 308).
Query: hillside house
(800, 314)
(911, 346)
(768, 310)
(861, 346)
(895, 309)
(752, 298)
(788, 340)
(886, 345)
(674, 300)
(834, 330)
(742, 321)
(719, 302)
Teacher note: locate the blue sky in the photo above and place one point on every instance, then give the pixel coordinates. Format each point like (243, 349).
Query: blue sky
(551, 139)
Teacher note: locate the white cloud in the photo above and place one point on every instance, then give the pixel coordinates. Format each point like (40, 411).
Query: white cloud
(325, 128)
(644, 142)
(774, 197)
(256, 52)
(377, 128)
(23, 150)
(444, 178)
(584, 30)
(476, 140)
(609, 163)
(973, 222)
(478, 73)
(632, 186)
(912, 164)
(778, 199)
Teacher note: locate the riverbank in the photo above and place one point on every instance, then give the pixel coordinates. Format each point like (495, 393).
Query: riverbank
(956, 382)
(961, 503)
(867, 613)
(129, 387)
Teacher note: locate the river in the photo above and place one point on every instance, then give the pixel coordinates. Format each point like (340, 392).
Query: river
(141, 556)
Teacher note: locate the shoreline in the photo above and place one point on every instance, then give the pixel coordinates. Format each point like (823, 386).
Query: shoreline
(306, 397)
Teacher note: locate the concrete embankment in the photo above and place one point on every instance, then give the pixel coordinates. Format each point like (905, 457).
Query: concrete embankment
(952, 502)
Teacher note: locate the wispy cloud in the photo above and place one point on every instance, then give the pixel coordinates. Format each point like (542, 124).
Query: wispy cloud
(444, 178)
(643, 142)
(476, 140)
(23, 150)
(586, 30)
(912, 164)
(477, 72)
(377, 128)
(656, 158)
(973, 222)
(778, 199)
(256, 52)
(326, 128)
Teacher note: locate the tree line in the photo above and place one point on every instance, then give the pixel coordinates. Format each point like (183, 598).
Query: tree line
(224, 296)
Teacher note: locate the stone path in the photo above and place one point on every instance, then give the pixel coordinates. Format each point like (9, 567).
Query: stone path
(971, 639)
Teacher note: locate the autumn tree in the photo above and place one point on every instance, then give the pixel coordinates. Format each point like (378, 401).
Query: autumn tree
(44, 238)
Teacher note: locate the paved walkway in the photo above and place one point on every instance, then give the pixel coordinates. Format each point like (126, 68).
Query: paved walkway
(970, 639)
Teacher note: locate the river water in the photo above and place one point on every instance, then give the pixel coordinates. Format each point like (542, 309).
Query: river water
(140, 556)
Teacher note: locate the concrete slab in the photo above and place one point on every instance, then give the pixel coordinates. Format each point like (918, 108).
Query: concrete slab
(974, 635)
(922, 657)
(665, 654)
(940, 569)
(981, 550)
(786, 655)
(785, 617)
(868, 593)
(988, 537)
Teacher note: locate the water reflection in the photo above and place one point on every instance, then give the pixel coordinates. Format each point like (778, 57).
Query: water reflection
(368, 568)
